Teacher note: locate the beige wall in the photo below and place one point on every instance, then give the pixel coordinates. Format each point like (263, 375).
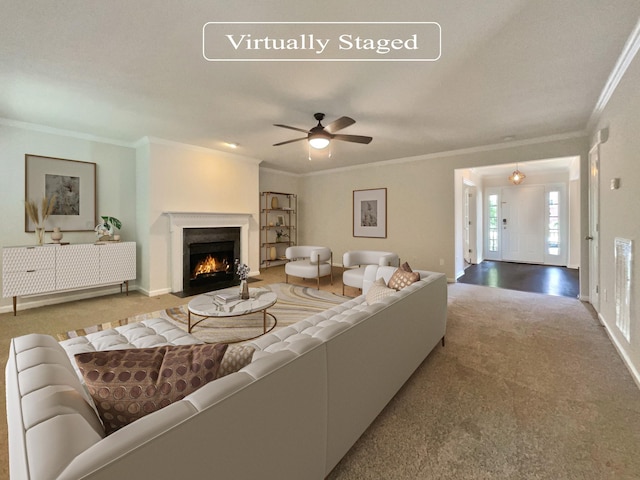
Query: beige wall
(620, 209)
(182, 178)
(420, 201)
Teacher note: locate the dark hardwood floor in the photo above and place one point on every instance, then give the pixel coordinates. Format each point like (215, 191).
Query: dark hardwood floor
(525, 277)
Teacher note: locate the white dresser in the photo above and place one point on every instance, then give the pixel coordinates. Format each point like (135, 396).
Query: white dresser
(34, 270)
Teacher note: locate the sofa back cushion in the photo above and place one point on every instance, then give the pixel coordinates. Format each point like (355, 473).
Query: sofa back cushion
(129, 384)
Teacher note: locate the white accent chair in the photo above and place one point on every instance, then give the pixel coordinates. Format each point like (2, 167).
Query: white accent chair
(308, 262)
(353, 277)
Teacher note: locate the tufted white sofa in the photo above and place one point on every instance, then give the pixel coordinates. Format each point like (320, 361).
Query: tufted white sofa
(310, 391)
(354, 277)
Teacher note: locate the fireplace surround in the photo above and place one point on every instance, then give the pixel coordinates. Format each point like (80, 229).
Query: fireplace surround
(181, 221)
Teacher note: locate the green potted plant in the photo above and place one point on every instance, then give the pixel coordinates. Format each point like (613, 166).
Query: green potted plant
(106, 229)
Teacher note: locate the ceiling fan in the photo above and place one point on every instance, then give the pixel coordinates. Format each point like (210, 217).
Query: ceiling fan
(319, 136)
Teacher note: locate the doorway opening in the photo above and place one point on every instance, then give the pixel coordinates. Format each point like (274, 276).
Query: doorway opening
(536, 222)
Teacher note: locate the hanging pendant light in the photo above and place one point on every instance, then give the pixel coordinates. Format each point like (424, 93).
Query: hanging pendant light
(517, 176)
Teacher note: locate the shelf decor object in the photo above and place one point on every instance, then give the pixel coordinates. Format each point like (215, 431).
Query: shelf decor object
(35, 215)
(370, 213)
(278, 226)
(71, 182)
(56, 235)
(105, 230)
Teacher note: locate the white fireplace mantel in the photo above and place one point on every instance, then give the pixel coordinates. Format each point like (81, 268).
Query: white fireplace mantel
(178, 221)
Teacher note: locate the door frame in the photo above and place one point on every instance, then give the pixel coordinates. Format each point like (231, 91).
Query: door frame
(594, 226)
(469, 223)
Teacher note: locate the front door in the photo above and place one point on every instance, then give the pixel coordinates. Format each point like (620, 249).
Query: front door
(522, 223)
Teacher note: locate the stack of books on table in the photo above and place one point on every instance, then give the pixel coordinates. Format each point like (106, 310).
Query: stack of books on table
(226, 297)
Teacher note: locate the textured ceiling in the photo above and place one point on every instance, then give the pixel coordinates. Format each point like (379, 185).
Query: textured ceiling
(124, 70)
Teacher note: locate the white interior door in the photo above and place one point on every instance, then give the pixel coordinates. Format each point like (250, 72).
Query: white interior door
(522, 223)
(594, 223)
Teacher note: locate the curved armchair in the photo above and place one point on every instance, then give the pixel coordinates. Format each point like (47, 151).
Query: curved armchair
(308, 262)
(353, 277)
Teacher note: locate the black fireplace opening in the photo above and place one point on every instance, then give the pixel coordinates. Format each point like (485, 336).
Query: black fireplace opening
(209, 256)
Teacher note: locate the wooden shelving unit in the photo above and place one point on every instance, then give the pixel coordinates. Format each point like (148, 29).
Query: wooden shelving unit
(278, 226)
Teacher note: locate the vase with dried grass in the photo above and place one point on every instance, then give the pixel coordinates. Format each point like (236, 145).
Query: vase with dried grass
(38, 216)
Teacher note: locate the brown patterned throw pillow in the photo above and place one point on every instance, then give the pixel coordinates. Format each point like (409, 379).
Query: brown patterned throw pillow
(129, 384)
(405, 267)
(402, 278)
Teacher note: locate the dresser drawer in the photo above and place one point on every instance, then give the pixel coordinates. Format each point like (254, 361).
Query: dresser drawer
(21, 259)
(28, 283)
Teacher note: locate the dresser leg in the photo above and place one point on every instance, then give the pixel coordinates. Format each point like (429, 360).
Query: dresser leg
(15, 304)
(126, 282)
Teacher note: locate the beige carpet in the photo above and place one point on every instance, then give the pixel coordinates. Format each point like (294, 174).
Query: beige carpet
(528, 386)
(294, 303)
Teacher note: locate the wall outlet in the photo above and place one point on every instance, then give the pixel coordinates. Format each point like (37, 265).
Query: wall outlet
(442, 261)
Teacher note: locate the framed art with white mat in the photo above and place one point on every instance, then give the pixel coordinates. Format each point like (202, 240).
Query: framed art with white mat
(370, 213)
(72, 182)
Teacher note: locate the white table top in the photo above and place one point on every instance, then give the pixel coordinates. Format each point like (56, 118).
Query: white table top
(207, 305)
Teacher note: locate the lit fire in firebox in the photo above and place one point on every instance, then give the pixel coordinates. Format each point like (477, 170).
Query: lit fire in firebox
(210, 266)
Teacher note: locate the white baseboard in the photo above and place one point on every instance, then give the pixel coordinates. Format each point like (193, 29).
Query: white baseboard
(155, 293)
(635, 374)
(25, 303)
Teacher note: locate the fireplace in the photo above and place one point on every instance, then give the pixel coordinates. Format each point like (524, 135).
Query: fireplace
(209, 256)
(179, 222)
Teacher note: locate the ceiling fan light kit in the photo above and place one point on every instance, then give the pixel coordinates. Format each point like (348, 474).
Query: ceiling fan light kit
(320, 137)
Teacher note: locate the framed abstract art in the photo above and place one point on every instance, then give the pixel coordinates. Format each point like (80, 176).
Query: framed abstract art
(72, 182)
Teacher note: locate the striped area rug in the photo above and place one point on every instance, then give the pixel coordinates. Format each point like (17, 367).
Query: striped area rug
(294, 303)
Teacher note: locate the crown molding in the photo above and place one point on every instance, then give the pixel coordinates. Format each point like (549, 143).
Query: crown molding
(629, 51)
(7, 122)
(147, 140)
(281, 172)
(453, 153)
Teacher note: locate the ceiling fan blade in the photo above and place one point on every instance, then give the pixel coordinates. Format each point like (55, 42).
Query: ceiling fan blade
(291, 128)
(339, 124)
(289, 141)
(353, 138)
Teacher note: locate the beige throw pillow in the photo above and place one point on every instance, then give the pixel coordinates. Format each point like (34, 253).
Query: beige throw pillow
(235, 358)
(378, 291)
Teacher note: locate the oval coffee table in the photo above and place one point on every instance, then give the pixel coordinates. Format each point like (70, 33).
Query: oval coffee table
(209, 305)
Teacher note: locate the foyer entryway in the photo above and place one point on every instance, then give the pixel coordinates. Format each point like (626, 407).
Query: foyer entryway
(547, 279)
